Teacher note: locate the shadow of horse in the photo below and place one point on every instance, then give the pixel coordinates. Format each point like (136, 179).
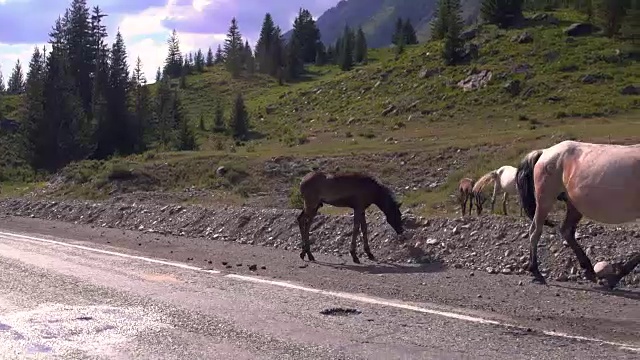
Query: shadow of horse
(603, 290)
(388, 268)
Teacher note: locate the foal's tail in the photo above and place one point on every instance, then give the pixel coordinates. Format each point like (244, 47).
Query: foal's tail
(485, 180)
(525, 185)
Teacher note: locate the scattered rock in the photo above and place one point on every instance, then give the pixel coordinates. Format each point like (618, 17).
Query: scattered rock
(512, 87)
(221, 171)
(340, 311)
(469, 34)
(253, 267)
(476, 81)
(522, 38)
(547, 18)
(630, 90)
(491, 270)
(391, 108)
(427, 73)
(581, 29)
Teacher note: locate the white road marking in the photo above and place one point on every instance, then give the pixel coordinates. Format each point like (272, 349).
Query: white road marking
(341, 295)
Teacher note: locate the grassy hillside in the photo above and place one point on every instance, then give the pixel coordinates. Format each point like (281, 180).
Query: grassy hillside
(404, 119)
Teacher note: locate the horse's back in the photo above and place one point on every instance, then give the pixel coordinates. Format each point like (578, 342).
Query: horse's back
(602, 180)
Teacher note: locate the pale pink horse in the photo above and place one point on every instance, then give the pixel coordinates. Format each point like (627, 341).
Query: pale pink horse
(504, 180)
(598, 181)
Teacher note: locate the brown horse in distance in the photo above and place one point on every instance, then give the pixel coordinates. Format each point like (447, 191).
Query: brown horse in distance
(465, 194)
(354, 190)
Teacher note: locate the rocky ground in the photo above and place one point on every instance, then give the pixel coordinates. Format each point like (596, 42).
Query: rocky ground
(494, 244)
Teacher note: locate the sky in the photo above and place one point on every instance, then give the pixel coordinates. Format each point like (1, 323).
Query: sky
(146, 24)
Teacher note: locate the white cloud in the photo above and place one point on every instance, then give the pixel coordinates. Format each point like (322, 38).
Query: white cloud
(146, 37)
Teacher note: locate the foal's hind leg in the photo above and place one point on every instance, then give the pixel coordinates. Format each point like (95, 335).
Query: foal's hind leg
(568, 231)
(304, 223)
(470, 199)
(357, 216)
(365, 238)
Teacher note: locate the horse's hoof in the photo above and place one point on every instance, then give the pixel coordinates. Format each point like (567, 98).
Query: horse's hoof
(311, 258)
(539, 280)
(302, 254)
(371, 257)
(355, 259)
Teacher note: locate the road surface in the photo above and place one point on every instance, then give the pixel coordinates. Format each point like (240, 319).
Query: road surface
(77, 292)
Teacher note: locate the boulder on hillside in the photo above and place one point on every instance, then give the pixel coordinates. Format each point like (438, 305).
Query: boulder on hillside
(427, 73)
(476, 81)
(581, 29)
(630, 90)
(512, 87)
(545, 18)
(469, 34)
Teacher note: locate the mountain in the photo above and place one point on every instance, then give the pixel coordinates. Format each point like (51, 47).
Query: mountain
(378, 18)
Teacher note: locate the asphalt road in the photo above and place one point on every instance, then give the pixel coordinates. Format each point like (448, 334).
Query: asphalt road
(76, 292)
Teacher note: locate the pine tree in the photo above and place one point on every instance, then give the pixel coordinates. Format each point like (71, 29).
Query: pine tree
(16, 80)
(233, 49)
(35, 126)
(239, 123)
(452, 41)
(347, 50)
(397, 34)
(321, 54)
(264, 46)
(174, 62)
(219, 57)
(409, 33)
(307, 35)
(218, 119)
(360, 47)
(631, 25)
(294, 65)
(81, 53)
(117, 97)
(248, 59)
(439, 23)
(503, 13)
(185, 138)
(201, 125)
(158, 74)
(210, 59)
(164, 114)
(199, 61)
(610, 14)
(142, 113)
(2, 86)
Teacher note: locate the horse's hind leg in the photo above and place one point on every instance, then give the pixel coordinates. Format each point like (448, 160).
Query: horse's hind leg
(628, 267)
(568, 231)
(470, 199)
(463, 202)
(504, 202)
(535, 231)
(365, 238)
(357, 215)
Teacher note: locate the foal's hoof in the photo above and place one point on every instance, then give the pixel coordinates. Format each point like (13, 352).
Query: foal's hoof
(302, 254)
(311, 258)
(371, 257)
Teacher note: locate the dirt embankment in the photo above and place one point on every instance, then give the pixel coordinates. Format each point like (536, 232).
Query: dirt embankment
(495, 244)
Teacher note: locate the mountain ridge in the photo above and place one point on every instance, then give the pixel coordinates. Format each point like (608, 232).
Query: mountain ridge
(378, 17)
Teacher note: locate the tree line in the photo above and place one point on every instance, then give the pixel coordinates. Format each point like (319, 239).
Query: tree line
(618, 18)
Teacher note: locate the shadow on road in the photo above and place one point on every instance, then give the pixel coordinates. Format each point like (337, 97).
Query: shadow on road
(386, 268)
(627, 294)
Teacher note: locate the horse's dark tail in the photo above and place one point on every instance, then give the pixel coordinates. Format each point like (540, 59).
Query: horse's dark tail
(526, 189)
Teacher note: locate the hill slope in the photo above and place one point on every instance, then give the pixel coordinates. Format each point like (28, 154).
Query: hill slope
(407, 120)
(378, 18)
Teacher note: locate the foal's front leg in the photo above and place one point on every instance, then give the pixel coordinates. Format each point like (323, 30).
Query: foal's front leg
(357, 214)
(504, 202)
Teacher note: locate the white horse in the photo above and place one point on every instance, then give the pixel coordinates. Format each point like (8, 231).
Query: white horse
(504, 180)
(598, 181)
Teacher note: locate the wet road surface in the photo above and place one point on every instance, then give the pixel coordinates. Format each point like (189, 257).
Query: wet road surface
(76, 292)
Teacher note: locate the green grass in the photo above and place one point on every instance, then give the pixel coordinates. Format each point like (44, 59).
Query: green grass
(339, 114)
